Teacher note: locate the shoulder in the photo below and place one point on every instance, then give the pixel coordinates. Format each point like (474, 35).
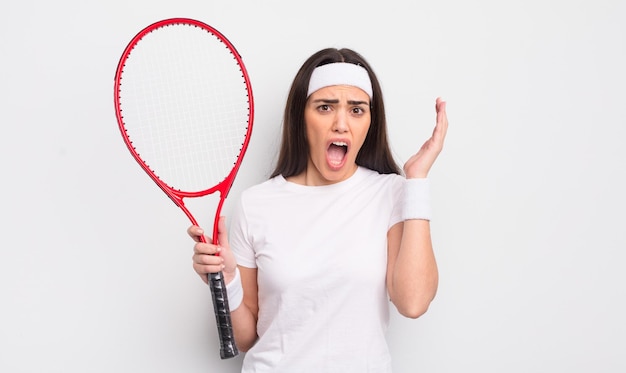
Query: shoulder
(386, 185)
(263, 190)
(268, 184)
(374, 177)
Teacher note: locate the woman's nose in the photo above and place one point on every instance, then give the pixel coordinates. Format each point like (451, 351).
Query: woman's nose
(341, 123)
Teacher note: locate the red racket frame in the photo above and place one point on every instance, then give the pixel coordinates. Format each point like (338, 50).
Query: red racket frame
(178, 196)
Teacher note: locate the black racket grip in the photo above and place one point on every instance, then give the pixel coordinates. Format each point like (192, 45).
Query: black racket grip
(228, 349)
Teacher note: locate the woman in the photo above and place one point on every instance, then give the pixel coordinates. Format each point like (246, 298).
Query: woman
(317, 251)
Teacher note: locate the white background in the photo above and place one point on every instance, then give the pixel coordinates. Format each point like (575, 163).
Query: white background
(95, 272)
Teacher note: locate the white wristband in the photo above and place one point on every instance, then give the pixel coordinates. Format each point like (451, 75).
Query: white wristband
(416, 199)
(234, 290)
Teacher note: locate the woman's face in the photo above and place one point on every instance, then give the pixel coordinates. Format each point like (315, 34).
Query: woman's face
(337, 120)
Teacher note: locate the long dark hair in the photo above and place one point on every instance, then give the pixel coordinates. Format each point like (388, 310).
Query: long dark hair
(294, 150)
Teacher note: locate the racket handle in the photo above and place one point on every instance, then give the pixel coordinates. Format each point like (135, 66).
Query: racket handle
(228, 349)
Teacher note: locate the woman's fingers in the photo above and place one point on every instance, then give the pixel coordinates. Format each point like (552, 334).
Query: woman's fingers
(201, 248)
(439, 133)
(209, 258)
(205, 261)
(204, 264)
(222, 233)
(195, 233)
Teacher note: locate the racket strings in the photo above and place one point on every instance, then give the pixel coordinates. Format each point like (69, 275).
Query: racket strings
(185, 106)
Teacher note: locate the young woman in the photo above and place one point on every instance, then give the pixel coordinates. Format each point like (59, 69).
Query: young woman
(316, 252)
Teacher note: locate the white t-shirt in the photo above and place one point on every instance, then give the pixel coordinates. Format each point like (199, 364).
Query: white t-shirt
(321, 254)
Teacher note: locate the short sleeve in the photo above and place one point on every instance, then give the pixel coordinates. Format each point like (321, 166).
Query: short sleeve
(397, 190)
(239, 238)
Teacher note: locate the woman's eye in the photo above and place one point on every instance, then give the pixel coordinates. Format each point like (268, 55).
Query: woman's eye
(324, 108)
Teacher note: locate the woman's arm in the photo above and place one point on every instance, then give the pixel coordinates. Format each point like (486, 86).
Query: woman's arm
(245, 317)
(412, 275)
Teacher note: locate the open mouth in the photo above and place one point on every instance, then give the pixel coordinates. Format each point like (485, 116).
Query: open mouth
(336, 153)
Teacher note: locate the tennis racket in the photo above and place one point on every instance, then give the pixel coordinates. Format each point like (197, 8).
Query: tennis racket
(184, 106)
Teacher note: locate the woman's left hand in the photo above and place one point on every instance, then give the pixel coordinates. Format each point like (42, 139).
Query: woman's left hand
(420, 163)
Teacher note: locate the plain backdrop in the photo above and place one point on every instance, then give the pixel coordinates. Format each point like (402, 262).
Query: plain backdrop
(528, 194)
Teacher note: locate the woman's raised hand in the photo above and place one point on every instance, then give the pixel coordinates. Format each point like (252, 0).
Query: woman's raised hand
(420, 163)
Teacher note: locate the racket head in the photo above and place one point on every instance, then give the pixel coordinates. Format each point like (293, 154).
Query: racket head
(184, 106)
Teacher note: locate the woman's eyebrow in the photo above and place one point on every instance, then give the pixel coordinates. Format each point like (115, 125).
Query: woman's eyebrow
(327, 101)
(354, 102)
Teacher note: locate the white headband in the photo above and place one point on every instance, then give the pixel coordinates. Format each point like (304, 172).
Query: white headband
(340, 73)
